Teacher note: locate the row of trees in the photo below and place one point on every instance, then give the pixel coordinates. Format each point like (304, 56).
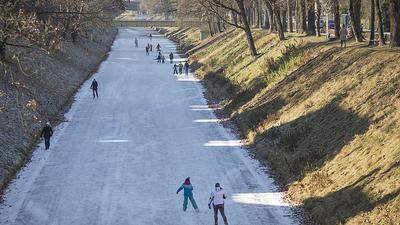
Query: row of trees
(280, 16)
(44, 24)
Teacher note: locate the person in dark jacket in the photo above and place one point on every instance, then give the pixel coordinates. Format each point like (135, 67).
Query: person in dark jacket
(187, 194)
(186, 68)
(175, 69)
(159, 57)
(94, 88)
(136, 42)
(180, 66)
(47, 132)
(171, 57)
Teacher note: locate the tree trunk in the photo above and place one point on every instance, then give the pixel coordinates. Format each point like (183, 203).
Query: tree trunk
(328, 35)
(215, 27)
(297, 15)
(336, 15)
(355, 15)
(234, 18)
(303, 15)
(260, 17)
(267, 20)
(284, 20)
(311, 19)
(257, 14)
(380, 22)
(3, 49)
(372, 24)
(246, 27)
(278, 22)
(290, 15)
(317, 17)
(270, 16)
(210, 28)
(394, 23)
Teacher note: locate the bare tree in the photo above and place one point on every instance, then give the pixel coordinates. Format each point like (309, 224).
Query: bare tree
(317, 17)
(219, 8)
(372, 23)
(380, 22)
(355, 15)
(336, 17)
(394, 23)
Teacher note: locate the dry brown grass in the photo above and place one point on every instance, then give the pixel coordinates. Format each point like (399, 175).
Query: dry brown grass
(326, 119)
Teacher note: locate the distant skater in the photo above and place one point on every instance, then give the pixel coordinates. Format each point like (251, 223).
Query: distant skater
(94, 88)
(147, 50)
(217, 199)
(175, 69)
(180, 68)
(186, 68)
(163, 59)
(151, 47)
(150, 37)
(187, 194)
(136, 43)
(47, 132)
(171, 57)
(158, 47)
(159, 57)
(343, 36)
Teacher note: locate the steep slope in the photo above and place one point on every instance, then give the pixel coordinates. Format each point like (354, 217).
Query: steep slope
(38, 87)
(325, 118)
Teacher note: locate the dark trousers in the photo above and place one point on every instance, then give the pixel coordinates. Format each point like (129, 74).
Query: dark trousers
(47, 142)
(95, 93)
(219, 208)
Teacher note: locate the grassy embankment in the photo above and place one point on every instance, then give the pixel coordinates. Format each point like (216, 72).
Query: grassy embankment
(325, 118)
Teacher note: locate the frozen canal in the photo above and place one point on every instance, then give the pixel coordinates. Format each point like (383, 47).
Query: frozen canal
(119, 159)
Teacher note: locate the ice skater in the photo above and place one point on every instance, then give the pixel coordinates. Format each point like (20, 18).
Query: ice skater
(159, 57)
(94, 88)
(171, 57)
(150, 37)
(180, 68)
(217, 199)
(147, 50)
(187, 194)
(175, 69)
(47, 132)
(163, 59)
(158, 47)
(136, 42)
(186, 68)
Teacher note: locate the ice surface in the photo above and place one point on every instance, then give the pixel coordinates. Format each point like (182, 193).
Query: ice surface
(120, 158)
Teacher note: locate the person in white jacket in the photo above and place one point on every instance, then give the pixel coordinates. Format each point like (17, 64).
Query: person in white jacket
(217, 199)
